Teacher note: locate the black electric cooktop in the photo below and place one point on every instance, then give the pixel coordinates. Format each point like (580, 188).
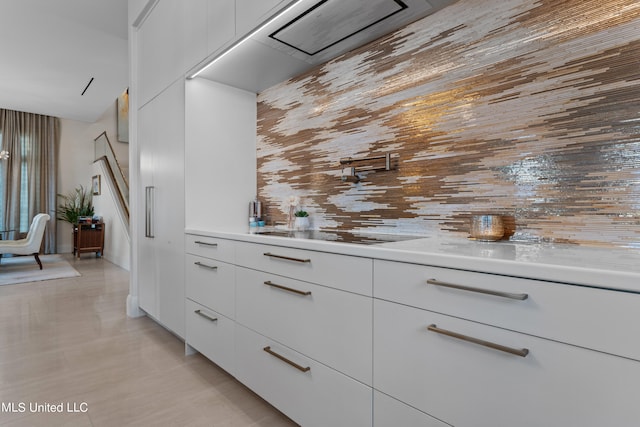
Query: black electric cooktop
(339, 236)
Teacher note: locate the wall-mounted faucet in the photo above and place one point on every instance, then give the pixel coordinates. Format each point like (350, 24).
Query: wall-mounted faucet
(350, 173)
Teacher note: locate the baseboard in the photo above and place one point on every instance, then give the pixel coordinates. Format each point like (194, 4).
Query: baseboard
(133, 310)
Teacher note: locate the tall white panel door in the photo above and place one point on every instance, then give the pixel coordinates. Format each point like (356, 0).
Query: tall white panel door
(145, 252)
(161, 246)
(169, 206)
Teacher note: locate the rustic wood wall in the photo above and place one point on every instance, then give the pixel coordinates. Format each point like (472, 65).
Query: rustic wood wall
(526, 108)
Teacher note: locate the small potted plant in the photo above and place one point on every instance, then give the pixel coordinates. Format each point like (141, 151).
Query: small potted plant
(302, 220)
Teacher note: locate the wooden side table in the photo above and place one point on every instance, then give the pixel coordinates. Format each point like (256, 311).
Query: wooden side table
(88, 237)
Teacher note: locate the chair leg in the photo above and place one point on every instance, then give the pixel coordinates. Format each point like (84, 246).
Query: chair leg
(38, 260)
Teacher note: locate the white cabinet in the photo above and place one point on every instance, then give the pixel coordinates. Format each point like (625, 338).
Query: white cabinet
(221, 19)
(347, 273)
(251, 13)
(303, 332)
(212, 334)
(583, 316)
(210, 298)
(171, 40)
(160, 249)
(305, 390)
(328, 325)
(211, 283)
(470, 384)
(210, 247)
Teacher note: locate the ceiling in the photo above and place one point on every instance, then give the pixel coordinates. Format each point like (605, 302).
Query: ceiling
(50, 50)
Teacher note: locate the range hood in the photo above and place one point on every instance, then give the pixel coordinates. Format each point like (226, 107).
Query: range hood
(306, 33)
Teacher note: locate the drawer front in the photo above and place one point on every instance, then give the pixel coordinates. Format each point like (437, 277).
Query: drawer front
(210, 247)
(213, 338)
(389, 412)
(211, 283)
(468, 384)
(348, 273)
(318, 397)
(594, 318)
(328, 325)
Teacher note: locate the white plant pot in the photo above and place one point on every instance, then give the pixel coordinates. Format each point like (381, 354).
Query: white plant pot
(301, 223)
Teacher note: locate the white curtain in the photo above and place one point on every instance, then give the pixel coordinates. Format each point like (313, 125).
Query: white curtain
(28, 176)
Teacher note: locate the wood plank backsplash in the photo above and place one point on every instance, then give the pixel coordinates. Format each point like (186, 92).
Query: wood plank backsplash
(526, 108)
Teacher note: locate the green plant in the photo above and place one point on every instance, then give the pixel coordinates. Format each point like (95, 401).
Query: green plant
(77, 203)
(301, 214)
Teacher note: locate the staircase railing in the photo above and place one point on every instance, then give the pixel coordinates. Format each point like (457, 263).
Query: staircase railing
(103, 150)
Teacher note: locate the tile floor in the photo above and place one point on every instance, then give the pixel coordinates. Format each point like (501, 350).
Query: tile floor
(69, 342)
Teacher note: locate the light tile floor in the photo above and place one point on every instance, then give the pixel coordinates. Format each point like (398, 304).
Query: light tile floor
(69, 341)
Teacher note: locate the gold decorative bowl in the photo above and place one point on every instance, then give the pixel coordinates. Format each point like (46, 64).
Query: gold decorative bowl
(487, 228)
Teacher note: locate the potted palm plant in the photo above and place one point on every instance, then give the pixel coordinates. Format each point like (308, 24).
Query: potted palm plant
(78, 203)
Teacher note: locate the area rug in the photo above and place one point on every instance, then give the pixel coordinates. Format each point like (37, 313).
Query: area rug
(23, 269)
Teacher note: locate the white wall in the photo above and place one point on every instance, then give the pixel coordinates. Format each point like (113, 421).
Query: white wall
(75, 161)
(117, 244)
(220, 151)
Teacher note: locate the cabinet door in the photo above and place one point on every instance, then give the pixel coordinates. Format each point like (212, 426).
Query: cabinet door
(212, 334)
(161, 257)
(251, 13)
(471, 385)
(328, 325)
(171, 40)
(221, 26)
(211, 283)
(145, 252)
(168, 176)
(311, 394)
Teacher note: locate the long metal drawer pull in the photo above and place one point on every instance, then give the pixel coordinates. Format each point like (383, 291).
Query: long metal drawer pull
(284, 359)
(509, 295)
(210, 267)
(522, 352)
(200, 313)
(269, 254)
(199, 242)
(285, 288)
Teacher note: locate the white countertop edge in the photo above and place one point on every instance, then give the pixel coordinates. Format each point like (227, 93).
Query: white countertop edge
(617, 269)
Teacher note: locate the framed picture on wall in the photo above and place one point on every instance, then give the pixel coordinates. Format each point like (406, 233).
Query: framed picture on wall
(122, 105)
(95, 185)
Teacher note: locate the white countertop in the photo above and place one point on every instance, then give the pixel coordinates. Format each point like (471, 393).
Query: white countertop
(611, 268)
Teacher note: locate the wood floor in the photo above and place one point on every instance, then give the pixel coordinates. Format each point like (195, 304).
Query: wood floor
(69, 342)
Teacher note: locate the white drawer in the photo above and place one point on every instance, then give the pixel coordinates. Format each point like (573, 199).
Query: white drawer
(348, 273)
(328, 325)
(389, 412)
(211, 283)
(468, 384)
(213, 338)
(318, 397)
(594, 318)
(210, 247)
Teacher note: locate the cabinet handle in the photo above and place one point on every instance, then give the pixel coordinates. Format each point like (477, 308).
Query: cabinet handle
(284, 359)
(522, 352)
(285, 288)
(210, 267)
(269, 254)
(148, 211)
(200, 313)
(198, 242)
(509, 295)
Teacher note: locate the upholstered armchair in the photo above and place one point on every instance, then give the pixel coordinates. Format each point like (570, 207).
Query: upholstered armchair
(30, 245)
